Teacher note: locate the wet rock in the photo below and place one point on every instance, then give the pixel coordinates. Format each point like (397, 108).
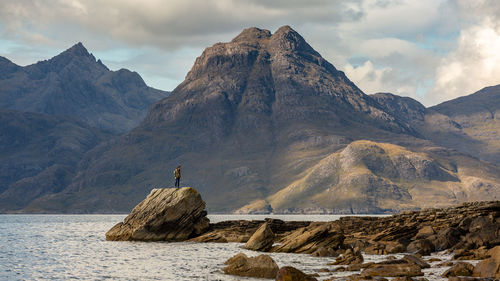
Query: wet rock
(423, 247)
(393, 270)
(167, 214)
(262, 266)
(262, 239)
(351, 256)
(416, 260)
(288, 273)
(359, 266)
(473, 254)
(325, 252)
(489, 267)
(459, 269)
(241, 230)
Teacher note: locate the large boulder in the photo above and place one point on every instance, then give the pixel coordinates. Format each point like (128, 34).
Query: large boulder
(288, 273)
(262, 266)
(262, 239)
(489, 267)
(167, 214)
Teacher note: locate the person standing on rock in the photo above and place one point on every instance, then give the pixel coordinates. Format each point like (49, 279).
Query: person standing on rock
(177, 176)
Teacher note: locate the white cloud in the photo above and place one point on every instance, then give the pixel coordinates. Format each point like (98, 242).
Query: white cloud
(402, 46)
(475, 63)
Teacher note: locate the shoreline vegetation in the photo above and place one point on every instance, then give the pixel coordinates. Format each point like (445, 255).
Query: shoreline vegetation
(469, 231)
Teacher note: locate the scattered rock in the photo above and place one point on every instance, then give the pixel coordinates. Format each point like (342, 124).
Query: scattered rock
(262, 266)
(434, 260)
(262, 239)
(167, 214)
(416, 260)
(423, 247)
(288, 273)
(446, 263)
(351, 256)
(489, 267)
(459, 269)
(405, 278)
(393, 270)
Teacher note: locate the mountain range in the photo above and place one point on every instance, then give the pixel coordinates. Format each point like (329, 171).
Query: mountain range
(264, 123)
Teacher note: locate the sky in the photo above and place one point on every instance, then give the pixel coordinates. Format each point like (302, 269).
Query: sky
(430, 50)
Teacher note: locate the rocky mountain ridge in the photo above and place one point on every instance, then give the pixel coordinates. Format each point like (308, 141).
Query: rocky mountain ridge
(263, 117)
(263, 123)
(75, 84)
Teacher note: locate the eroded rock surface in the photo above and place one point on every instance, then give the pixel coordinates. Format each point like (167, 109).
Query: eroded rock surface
(167, 214)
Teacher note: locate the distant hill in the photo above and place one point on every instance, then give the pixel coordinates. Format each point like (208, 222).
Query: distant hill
(73, 83)
(265, 123)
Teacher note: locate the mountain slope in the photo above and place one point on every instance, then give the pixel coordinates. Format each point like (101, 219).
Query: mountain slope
(38, 154)
(469, 124)
(478, 118)
(73, 83)
(265, 120)
(371, 177)
(250, 118)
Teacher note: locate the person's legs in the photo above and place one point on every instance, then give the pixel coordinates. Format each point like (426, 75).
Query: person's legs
(177, 182)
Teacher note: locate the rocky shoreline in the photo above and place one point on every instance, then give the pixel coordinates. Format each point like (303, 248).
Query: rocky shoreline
(470, 231)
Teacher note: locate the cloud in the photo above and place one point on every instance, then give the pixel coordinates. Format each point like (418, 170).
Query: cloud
(430, 50)
(475, 63)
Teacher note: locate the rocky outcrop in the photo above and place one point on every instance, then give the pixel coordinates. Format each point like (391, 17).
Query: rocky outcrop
(262, 266)
(167, 214)
(489, 267)
(289, 273)
(262, 239)
(311, 238)
(241, 230)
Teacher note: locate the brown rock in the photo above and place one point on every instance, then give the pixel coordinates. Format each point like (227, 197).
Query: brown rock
(262, 239)
(288, 273)
(489, 267)
(393, 270)
(416, 260)
(424, 232)
(262, 266)
(351, 256)
(311, 238)
(464, 278)
(405, 278)
(459, 269)
(423, 247)
(167, 214)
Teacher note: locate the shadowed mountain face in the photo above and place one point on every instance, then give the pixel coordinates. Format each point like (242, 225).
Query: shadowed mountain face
(75, 84)
(251, 119)
(39, 154)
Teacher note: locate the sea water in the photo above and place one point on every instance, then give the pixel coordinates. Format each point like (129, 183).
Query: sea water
(65, 247)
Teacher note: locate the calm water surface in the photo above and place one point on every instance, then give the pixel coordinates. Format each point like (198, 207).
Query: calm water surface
(64, 247)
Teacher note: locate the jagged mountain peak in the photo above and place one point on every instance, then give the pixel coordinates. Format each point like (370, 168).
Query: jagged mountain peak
(252, 34)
